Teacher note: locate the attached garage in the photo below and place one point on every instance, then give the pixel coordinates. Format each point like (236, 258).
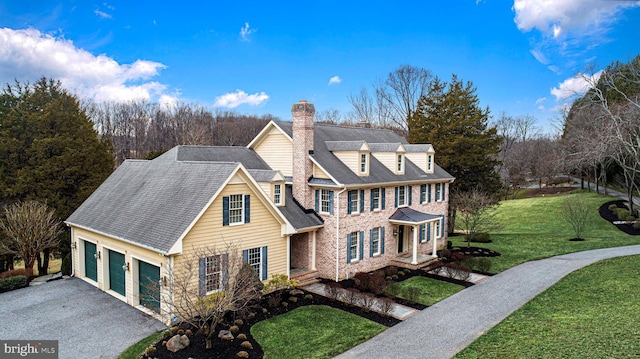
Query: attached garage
(90, 261)
(117, 272)
(149, 286)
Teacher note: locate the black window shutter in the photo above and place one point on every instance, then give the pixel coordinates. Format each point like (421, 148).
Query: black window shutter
(225, 211)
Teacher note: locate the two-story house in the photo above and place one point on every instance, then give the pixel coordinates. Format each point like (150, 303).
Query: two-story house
(303, 199)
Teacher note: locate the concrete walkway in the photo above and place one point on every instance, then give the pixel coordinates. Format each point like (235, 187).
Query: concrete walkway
(398, 311)
(443, 329)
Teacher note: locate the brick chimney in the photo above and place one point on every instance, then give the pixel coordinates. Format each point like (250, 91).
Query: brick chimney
(302, 114)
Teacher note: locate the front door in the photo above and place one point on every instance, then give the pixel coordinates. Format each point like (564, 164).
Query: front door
(400, 239)
(149, 285)
(90, 261)
(116, 273)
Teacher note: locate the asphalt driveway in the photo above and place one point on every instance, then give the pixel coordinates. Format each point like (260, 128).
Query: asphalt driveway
(87, 322)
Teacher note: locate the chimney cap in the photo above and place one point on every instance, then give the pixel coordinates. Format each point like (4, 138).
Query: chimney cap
(303, 101)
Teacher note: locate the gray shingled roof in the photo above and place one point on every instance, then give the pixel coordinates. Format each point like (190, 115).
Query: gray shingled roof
(151, 203)
(248, 157)
(419, 147)
(378, 173)
(344, 145)
(406, 214)
(299, 217)
(385, 147)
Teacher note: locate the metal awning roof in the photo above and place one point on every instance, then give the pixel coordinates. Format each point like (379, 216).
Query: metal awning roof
(406, 215)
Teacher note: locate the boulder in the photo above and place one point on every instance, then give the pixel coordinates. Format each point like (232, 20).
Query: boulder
(185, 340)
(296, 292)
(225, 335)
(174, 344)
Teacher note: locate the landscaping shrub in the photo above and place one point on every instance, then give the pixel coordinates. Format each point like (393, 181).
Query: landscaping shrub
(333, 290)
(445, 254)
(65, 267)
(377, 284)
(242, 336)
(621, 213)
(293, 299)
(636, 225)
(234, 329)
(386, 305)
(629, 218)
(612, 207)
(379, 274)
(242, 354)
(352, 296)
(463, 273)
(11, 283)
(361, 280)
(480, 238)
(246, 344)
(308, 296)
(237, 322)
(391, 270)
(470, 262)
(273, 301)
(367, 300)
(14, 273)
(457, 257)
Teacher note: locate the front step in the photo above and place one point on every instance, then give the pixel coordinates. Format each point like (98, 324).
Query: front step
(306, 278)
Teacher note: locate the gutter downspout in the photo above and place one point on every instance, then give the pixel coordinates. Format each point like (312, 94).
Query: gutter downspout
(338, 231)
(73, 267)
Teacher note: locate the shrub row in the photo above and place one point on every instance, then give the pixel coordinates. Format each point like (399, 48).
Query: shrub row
(11, 283)
(479, 238)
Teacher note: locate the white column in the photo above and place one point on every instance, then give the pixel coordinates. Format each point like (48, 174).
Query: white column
(313, 251)
(289, 257)
(435, 242)
(415, 245)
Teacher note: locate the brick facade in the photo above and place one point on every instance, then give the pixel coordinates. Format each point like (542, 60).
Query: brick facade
(302, 114)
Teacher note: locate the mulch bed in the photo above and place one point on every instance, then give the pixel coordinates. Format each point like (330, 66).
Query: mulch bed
(475, 251)
(611, 217)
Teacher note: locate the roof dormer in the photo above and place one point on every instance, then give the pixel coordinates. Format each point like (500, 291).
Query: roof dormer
(354, 154)
(391, 155)
(422, 155)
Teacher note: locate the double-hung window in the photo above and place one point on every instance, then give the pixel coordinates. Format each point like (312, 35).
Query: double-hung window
(403, 196)
(430, 163)
(257, 259)
(400, 164)
(354, 246)
(213, 273)
(354, 201)
(375, 242)
(325, 201)
(375, 199)
(438, 228)
(236, 209)
(363, 164)
(277, 194)
(438, 190)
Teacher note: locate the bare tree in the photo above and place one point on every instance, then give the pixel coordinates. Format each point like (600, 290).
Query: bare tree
(477, 212)
(575, 211)
(330, 116)
(29, 228)
(204, 302)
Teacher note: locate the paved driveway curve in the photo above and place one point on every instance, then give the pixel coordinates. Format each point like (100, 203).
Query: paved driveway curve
(436, 333)
(87, 322)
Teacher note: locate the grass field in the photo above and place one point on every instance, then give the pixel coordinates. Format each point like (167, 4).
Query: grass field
(427, 291)
(54, 266)
(591, 313)
(313, 332)
(533, 229)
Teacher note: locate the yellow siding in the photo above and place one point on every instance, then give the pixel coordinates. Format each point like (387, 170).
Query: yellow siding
(319, 173)
(132, 254)
(263, 230)
(349, 158)
(388, 159)
(418, 158)
(277, 151)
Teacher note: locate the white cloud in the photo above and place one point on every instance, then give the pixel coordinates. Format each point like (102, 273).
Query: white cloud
(540, 103)
(102, 14)
(577, 85)
(539, 56)
(28, 54)
(246, 31)
(553, 17)
(335, 80)
(235, 99)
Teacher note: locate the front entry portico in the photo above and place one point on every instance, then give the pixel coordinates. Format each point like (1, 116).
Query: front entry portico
(423, 229)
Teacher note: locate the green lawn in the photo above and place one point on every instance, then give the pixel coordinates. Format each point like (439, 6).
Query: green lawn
(591, 313)
(136, 350)
(533, 230)
(428, 291)
(316, 331)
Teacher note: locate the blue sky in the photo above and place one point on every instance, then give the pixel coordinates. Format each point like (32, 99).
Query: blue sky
(526, 57)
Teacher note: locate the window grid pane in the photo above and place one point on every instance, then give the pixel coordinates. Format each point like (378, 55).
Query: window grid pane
(399, 163)
(375, 241)
(363, 163)
(353, 248)
(213, 273)
(255, 259)
(236, 208)
(353, 205)
(376, 197)
(326, 201)
(277, 194)
(402, 195)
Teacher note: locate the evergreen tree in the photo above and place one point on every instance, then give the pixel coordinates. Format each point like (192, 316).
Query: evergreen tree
(449, 117)
(49, 150)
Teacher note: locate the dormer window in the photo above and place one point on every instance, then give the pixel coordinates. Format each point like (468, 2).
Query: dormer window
(429, 163)
(400, 164)
(277, 194)
(363, 163)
